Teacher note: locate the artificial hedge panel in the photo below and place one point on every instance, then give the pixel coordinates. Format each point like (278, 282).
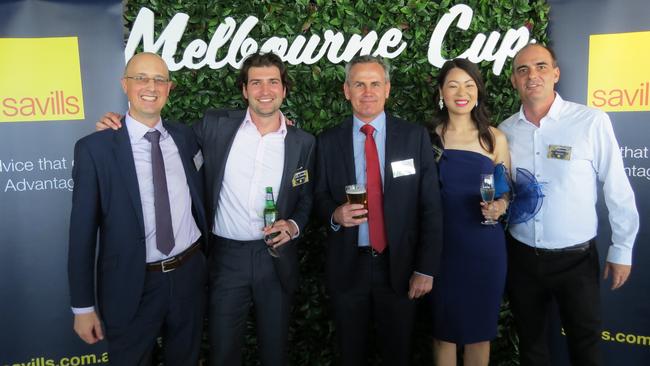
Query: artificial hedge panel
(316, 102)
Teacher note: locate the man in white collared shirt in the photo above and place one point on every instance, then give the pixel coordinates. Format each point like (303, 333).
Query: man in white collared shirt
(245, 152)
(569, 148)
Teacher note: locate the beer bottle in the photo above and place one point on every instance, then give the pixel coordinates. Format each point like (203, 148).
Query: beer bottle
(270, 213)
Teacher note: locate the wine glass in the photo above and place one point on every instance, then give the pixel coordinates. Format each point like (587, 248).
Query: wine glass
(487, 194)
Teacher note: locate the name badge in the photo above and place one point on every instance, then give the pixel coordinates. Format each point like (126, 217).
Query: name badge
(300, 177)
(402, 168)
(198, 160)
(559, 152)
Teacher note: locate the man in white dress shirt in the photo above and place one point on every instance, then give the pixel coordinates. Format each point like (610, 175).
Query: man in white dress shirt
(569, 148)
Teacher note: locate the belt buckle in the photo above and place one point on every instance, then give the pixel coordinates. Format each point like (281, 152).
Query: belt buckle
(168, 261)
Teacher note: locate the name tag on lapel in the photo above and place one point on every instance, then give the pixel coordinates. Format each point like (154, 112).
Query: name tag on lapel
(198, 160)
(402, 167)
(300, 177)
(559, 152)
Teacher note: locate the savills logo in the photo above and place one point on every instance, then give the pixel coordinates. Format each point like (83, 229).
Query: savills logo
(40, 80)
(619, 76)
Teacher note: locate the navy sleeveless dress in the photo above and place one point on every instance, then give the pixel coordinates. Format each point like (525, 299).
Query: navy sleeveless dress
(467, 292)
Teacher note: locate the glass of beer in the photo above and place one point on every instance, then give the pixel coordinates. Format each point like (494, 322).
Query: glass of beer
(357, 194)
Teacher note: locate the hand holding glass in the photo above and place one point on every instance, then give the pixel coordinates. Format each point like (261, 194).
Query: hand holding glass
(356, 194)
(487, 194)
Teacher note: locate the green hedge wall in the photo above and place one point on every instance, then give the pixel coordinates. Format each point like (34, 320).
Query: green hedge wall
(316, 102)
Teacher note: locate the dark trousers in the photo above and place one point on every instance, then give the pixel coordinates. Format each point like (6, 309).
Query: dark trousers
(372, 300)
(571, 279)
(172, 305)
(242, 274)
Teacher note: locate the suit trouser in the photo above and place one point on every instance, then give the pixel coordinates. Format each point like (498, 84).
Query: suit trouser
(172, 304)
(571, 279)
(242, 274)
(371, 300)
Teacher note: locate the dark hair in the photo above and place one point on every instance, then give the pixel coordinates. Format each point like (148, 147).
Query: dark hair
(480, 114)
(548, 49)
(367, 59)
(259, 59)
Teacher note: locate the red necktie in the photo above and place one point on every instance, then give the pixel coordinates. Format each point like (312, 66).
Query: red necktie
(375, 193)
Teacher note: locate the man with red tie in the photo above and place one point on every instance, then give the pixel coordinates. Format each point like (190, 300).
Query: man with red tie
(377, 266)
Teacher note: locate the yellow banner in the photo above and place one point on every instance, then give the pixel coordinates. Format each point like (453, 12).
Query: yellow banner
(619, 75)
(40, 80)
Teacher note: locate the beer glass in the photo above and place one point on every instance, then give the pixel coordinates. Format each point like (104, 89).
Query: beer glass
(356, 193)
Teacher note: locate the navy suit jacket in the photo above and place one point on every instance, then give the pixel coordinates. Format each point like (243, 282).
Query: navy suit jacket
(216, 133)
(412, 210)
(106, 197)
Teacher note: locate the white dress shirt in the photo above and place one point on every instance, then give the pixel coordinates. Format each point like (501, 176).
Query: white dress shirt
(254, 163)
(186, 232)
(568, 214)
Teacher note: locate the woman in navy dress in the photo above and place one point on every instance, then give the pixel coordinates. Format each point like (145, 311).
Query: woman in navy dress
(467, 292)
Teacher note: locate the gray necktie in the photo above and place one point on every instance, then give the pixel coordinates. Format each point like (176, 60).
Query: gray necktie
(164, 229)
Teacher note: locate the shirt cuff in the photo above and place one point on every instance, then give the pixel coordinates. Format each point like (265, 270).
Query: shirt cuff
(423, 274)
(78, 311)
(297, 229)
(619, 255)
(335, 227)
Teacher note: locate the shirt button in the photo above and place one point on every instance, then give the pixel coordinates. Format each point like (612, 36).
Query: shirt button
(537, 153)
(537, 175)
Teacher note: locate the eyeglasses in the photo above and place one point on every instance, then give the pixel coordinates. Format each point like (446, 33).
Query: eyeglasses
(144, 80)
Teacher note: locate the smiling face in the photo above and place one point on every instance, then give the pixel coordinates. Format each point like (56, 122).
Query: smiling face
(264, 91)
(535, 75)
(367, 90)
(459, 92)
(146, 100)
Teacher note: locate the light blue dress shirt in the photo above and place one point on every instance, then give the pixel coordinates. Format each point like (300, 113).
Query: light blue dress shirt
(358, 144)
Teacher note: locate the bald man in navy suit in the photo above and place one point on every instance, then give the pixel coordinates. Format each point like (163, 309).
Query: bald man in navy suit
(146, 276)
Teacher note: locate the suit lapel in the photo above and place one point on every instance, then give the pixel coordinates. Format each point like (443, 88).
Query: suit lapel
(181, 145)
(392, 135)
(124, 157)
(347, 150)
(291, 158)
(229, 128)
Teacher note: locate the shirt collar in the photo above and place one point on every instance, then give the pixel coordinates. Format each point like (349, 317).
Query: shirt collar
(138, 129)
(553, 112)
(248, 123)
(379, 123)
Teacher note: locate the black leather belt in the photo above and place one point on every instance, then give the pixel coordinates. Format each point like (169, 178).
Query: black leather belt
(369, 250)
(578, 248)
(171, 263)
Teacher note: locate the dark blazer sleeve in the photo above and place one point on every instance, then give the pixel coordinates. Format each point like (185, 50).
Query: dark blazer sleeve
(84, 223)
(199, 130)
(306, 195)
(430, 246)
(325, 203)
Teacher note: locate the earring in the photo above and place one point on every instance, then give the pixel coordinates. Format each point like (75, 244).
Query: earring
(441, 104)
(476, 104)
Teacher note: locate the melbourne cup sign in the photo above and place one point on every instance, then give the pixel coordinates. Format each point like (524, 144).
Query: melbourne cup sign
(493, 48)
